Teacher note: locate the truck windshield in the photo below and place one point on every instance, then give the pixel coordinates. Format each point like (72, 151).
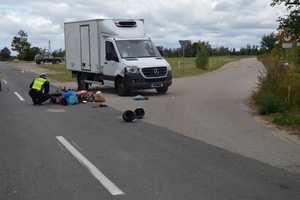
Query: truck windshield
(137, 49)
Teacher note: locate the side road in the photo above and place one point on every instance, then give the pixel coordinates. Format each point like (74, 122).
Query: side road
(211, 108)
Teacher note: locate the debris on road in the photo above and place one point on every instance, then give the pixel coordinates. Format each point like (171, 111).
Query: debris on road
(100, 105)
(130, 116)
(140, 97)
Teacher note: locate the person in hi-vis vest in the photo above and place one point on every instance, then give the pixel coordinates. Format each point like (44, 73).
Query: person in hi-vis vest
(39, 90)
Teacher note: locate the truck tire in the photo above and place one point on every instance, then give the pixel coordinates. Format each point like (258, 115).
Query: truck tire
(121, 87)
(162, 90)
(42, 62)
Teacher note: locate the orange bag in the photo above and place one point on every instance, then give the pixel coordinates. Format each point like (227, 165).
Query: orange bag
(99, 97)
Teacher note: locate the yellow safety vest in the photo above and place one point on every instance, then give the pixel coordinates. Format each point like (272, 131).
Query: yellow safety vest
(38, 84)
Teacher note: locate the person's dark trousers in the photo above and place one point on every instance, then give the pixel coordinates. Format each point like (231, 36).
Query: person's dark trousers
(33, 95)
(38, 97)
(43, 97)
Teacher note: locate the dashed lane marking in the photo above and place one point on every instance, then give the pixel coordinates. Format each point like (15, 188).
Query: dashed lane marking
(19, 96)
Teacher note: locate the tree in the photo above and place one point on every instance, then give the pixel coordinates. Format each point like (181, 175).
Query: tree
(189, 51)
(31, 53)
(202, 57)
(61, 53)
(5, 53)
(289, 22)
(20, 44)
(268, 42)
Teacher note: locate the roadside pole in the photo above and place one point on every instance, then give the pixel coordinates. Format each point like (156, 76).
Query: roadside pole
(287, 44)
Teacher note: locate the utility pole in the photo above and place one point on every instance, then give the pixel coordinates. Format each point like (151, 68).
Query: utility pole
(49, 48)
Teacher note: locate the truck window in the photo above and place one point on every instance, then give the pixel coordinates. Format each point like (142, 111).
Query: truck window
(137, 49)
(110, 52)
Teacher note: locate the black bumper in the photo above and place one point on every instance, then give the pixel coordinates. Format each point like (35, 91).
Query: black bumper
(137, 81)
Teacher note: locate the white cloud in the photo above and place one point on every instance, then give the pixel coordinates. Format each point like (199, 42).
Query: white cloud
(234, 23)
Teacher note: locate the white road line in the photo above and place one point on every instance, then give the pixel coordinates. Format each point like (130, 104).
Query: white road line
(112, 188)
(19, 96)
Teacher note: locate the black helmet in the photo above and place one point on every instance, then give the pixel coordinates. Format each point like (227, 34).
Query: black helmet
(140, 112)
(129, 116)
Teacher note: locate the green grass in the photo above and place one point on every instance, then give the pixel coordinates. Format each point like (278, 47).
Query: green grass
(189, 68)
(287, 119)
(56, 67)
(62, 75)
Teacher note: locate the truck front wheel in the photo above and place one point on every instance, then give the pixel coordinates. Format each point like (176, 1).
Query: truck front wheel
(121, 87)
(162, 90)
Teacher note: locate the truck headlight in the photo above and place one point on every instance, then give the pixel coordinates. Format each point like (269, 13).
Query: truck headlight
(132, 70)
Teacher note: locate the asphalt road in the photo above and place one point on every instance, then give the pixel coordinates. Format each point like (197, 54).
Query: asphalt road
(198, 141)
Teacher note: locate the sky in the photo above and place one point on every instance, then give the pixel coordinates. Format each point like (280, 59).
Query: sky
(228, 23)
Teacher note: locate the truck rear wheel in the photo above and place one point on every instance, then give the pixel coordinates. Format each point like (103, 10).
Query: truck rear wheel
(81, 84)
(121, 87)
(162, 90)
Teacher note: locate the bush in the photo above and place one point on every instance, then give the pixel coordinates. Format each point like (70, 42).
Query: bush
(202, 58)
(269, 103)
(275, 80)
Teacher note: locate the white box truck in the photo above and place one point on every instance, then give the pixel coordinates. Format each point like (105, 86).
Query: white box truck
(116, 53)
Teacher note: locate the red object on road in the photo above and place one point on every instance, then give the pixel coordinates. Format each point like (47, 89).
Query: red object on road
(82, 95)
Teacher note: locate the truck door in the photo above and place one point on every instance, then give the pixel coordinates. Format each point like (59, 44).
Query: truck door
(85, 50)
(111, 64)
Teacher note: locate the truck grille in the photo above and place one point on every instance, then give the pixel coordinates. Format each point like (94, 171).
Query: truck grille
(154, 72)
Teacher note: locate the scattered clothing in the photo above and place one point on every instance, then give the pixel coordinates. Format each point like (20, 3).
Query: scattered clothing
(140, 97)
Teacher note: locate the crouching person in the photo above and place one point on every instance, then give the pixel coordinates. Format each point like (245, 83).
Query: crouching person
(39, 90)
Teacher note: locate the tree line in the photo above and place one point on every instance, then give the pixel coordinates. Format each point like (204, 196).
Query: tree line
(26, 52)
(193, 49)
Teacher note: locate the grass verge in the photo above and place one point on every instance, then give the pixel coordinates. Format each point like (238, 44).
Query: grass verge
(278, 94)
